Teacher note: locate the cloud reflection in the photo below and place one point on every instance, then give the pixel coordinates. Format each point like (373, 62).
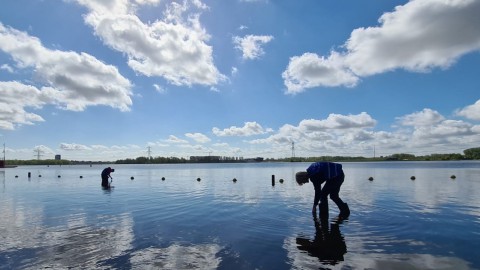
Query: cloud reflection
(29, 243)
(177, 257)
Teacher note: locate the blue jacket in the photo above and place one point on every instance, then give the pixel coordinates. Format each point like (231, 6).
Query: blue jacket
(324, 171)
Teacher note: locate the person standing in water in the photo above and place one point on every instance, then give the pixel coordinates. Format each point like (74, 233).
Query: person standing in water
(333, 176)
(105, 175)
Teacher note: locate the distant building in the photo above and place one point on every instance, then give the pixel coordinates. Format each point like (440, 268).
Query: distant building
(58, 157)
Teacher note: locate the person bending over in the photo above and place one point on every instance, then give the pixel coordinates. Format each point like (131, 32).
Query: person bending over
(332, 174)
(105, 175)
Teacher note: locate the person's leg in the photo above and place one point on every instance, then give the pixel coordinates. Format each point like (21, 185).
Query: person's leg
(334, 195)
(318, 191)
(323, 206)
(104, 182)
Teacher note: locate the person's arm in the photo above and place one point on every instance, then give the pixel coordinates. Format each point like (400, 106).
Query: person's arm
(317, 185)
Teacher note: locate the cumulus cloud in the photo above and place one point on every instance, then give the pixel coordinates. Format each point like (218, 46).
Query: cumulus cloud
(251, 45)
(471, 112)
(418, 36)
(73, 147)
(444, 129)
(159, 88)
(72, 81)
(249, 129)
(339, 121)
(174, 48)
(7, 67)
(14, 98)
(311, 70)
(346, 134)
(99, 147)
(426, 117)
(198, 137)
(428, 129)
(421, 133)
(175, 139)
(42, 149)
(77, 80)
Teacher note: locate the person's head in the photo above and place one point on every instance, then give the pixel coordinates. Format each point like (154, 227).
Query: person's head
(301, 178)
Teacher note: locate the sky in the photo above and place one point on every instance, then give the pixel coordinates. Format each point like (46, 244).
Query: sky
(104, 80)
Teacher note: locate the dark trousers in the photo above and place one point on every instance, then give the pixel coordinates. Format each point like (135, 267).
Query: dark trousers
(105, 181)
(331, 188)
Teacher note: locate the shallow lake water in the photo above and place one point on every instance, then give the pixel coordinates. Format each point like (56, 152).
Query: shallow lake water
(60, 217)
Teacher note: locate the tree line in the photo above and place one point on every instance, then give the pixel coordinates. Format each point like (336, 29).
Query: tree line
(468, 154)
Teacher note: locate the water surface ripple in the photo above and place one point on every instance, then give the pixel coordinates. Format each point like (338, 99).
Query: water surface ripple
(60, 218)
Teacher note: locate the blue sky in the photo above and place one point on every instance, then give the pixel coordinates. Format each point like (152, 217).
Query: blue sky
(107, 80)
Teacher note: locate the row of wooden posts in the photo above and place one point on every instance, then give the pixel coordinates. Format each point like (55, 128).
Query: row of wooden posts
(163, 178)
(235, 179)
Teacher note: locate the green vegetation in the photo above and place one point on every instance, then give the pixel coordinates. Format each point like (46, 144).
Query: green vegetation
(157, 160)
(17, 162)
(472, 153)
(469, 154)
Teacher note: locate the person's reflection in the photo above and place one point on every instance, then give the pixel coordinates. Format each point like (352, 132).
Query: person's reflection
(328, 245)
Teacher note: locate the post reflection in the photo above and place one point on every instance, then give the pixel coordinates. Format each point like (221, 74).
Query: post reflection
(2, 179)
(328, 244)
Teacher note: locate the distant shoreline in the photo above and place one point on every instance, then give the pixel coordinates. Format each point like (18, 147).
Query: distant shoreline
(68, 163)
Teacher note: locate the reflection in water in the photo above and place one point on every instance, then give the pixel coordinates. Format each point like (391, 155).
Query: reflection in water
(202, 256)
(328, 245)
(29, 242)
(2, 179)
(179, 223)
(79, 244)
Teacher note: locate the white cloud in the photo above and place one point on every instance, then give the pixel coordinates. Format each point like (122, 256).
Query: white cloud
(234, 71)
(337, 134)
(310, 70)
(203, 256)
(198, 137)
(348, 135)
(443, 130)
(99, 147)
(73, 147)
(7, 68)
(42, 149)
(174, 48)
(159, 88)
(14, 99)
(72, 80)
(418, 36)
(339, 121)
(471, 111)
(426, 117)
(251, 45)
(148, 2)
(175, 139)
(221, 144)
(249, 129)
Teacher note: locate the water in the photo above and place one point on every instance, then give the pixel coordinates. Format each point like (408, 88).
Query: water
(60, 218)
